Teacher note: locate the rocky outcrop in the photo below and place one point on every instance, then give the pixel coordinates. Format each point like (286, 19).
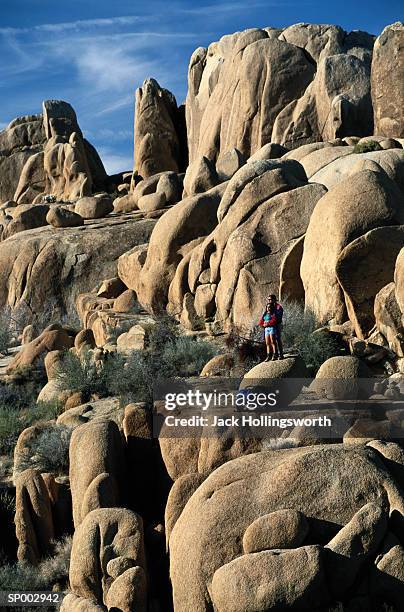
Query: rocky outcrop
(21, 149)
(97, 468)
(159, 131)
(363, 268)
(239, 96)
(107, 566)
(328, 484)
(43, 272)
(387, 81)
(47, 154)
(357, 204)
(33, 517)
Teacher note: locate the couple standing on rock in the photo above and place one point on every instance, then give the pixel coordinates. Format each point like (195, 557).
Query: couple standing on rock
(271, 321)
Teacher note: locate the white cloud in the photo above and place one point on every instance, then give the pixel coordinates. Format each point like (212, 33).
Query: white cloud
(115, 163)
(79, 25)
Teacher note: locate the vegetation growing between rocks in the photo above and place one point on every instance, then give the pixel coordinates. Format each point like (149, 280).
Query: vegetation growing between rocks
(367, 146)
(49, 451)
(52, 570)
(132, 377)
(19, 410)
(5, 334)
(299, 333)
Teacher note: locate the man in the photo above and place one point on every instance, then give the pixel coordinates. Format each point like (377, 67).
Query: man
(272, 301)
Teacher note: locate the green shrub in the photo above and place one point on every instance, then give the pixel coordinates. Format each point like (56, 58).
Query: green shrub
(133, 377)
(367, 146)
(164, 331)
(81, 374)
(11, 426)
(19, 410)
(298, 334)
(187, 355)
(5, 334)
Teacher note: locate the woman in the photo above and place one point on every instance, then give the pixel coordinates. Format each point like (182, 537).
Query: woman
(269, 322)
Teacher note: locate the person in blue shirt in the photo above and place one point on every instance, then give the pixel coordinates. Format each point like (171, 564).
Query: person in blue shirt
(271, 321)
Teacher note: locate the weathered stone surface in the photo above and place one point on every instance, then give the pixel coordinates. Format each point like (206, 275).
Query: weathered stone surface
(151, 202)
(105, 534)
(336, 103)
(271, 580)
(356, 205)
(327, 483)
(339, 377)
(21, 144)
(349, 163)
(94, 207)
(111, 288)
(53, 338)
(237, 74)
(59, 216)
(95, 449)
(230, 162)
(126, 302)
(220, 365)
(100, 410)
(388, 580)
(280, 529)
(290, 282)
(85, 337)
(72, 166)
(387, 81)
(159, 131)
(200, 176)
(232, 270)
(33, 518)
(170, 185)
(172, 238)
(132, 340)
(363, 268)
(389, 319)
(130, 265)
(181, 491)
(26, 217)
(129, 591)
(124, 204)
(357, 541)
(399, 280)
(271, 150)
(253, 253)
(42, 273)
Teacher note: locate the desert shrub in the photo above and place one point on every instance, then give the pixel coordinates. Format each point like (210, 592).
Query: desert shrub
(26, 577)
(161, 333)
(317, 347)
(49, 452)
(5, 334)
(133, 377)
(298, 333)
(367, 146)
(18, 410)
(11, 426)
(80, 373)
(187, 355)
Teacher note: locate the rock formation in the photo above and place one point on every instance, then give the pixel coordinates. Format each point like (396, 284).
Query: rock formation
(387, 82)
(48, 154)
(239, 96)
(294, 186)
(159, 131)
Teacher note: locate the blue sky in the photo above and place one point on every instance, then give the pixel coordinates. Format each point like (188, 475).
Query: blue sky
(95, 53)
